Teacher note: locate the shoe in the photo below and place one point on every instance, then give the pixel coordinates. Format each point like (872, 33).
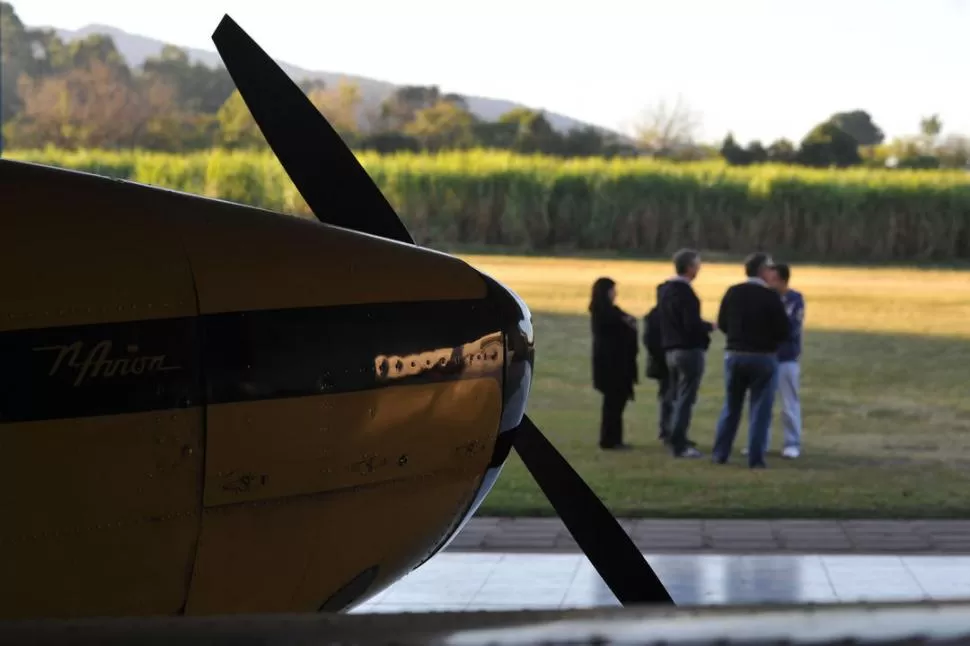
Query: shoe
(689, 452)
(758, 465)
(791, 452)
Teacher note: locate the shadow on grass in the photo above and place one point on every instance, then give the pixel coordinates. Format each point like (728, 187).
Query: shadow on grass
(887, 434)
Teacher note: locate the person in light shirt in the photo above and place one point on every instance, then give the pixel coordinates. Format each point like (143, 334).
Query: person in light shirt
(789, 368)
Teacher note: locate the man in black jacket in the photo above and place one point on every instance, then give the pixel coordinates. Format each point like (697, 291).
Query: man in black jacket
(754, 320)
(657, 366)
(685, 337)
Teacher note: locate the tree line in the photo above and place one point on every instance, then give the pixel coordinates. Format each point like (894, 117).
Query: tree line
(82, 94)
(852, 138)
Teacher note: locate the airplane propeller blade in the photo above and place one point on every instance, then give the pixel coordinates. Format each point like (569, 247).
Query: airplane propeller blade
(335, 186)
(607, 546)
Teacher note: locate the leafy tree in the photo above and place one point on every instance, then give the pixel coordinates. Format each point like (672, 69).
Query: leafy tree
(198, 88)
(389, 142)
(828, 145)
(756, 153)
(858, 124)
(341, 107)
(443, 125)
(496, 134)
(583, 142)
(534, 133)
(455, 99)
(930, 128)
(24, 52)
(15, 60)
(94, 48)
(781, 151)
(733, 153)
(94, 106)
(237, 128)
(399, 109)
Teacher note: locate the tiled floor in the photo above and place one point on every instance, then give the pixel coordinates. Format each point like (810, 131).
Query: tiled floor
(482, 581)
(692, 536)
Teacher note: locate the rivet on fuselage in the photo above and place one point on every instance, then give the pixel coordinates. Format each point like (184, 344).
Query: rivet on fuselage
(401, 461)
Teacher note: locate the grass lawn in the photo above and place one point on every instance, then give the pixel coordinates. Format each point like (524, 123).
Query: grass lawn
(885, 396)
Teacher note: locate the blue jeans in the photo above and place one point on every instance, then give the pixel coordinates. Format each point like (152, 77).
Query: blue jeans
(789, 376)
(756, 373)
(686, 371)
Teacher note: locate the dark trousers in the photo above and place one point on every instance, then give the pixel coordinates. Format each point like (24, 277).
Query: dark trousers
(611, 424)
(744, 373)
(686, 369)
(665, 404)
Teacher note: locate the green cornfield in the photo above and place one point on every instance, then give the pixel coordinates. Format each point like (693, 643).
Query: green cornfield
(642, 206)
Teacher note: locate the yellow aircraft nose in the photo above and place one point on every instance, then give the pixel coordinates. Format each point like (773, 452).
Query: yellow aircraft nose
(515, 322)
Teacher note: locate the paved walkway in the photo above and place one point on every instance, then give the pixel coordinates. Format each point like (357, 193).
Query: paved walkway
(729, 536)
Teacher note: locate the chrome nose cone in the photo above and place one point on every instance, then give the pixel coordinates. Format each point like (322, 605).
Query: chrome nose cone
(516, 324)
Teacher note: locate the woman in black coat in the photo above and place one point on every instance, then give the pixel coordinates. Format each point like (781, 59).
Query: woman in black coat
(615, 348)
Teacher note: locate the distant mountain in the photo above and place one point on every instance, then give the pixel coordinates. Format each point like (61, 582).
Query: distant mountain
(136, 49)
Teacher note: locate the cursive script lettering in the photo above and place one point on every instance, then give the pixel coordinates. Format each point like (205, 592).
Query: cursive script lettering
(97, 361)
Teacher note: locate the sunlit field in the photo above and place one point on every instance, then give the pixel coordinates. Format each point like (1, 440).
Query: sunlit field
(885, 392)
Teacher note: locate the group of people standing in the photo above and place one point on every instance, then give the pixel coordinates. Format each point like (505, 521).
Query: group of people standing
(762, 320)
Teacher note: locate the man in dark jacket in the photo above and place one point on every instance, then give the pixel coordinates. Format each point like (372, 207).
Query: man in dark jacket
(657, 366)
(754, 320)
(685, 337)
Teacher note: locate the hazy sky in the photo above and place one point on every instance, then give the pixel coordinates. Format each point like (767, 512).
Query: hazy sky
(760, 68)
